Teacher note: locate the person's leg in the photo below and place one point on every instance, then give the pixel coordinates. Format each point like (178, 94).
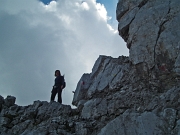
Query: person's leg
(59, 96)
(53, 94)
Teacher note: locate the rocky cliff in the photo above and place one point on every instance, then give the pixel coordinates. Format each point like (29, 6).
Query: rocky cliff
(135, 95)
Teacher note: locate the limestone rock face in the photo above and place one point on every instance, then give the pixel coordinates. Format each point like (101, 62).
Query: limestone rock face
(151, 30)
(127, 104)
(123, 105)
(137, 124)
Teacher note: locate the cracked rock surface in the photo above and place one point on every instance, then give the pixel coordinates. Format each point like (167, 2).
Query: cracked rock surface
(151, 31)
(129, 103)
(116, 98)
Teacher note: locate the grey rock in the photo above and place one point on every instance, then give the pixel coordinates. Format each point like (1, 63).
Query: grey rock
(9, 101)
(99, 67)
(4, 121)
(108, 75)
(99, 64)
(146, 26)
(176, 130)
(1, 101)
(169, 115)
(38, 131)
(135, 124)
(81, 89)
(81, 128)
(94, 108)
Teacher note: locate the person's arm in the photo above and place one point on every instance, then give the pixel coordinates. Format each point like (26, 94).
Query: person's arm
(62, 82)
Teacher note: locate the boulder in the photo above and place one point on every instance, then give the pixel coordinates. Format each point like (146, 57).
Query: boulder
(9, 101)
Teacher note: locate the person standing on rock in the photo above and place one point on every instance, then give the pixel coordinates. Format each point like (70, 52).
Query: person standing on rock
(58, 86)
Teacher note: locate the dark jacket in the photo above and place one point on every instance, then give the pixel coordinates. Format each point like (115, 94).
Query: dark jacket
(59, 81)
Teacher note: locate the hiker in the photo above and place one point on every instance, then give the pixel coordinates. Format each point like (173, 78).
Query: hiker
(58, 86)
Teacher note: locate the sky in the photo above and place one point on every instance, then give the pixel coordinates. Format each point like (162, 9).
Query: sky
(38, 37)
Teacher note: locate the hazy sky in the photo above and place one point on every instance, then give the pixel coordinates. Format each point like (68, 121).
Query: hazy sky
(36, 39)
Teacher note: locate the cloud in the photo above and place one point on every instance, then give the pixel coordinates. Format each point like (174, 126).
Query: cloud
(37, 39)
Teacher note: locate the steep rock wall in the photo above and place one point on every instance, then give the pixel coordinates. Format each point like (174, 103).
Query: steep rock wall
(116, 95)
(151, 30)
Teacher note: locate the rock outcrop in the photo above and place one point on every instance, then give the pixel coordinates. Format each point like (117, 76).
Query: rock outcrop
(125, 104)
(135, 95)
(110, 100)
(151, 31)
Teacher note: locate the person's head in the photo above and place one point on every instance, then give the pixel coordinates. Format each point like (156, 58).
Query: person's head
(57, 73)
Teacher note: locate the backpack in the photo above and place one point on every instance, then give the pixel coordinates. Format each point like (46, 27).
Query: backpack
(64, 83)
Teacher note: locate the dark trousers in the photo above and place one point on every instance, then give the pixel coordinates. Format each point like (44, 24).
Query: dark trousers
(54, 92)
